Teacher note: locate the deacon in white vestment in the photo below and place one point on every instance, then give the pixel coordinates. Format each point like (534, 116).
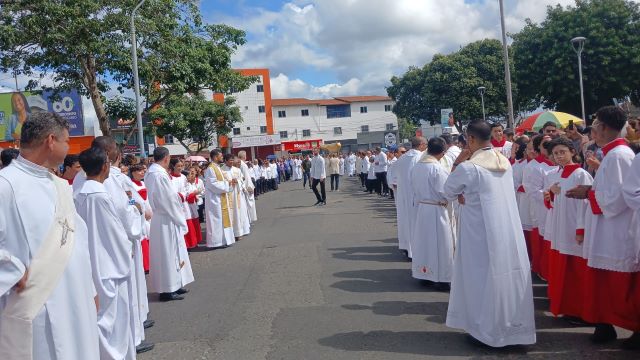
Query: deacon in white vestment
(58, 292)
(249, 187)
(111, 258)
(406, 208)
(217, 204)
(239, 210)
(170, 268)
(432, 236)
(491, 295)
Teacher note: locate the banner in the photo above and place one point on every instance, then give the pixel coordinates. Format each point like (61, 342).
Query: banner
(16, 107)
(296, 146)
(446, 117)
(258, 140)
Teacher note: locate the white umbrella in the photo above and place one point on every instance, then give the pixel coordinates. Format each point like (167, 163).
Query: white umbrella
(196, 158)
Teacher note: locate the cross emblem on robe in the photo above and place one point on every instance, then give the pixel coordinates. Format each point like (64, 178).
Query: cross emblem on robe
(65, 231)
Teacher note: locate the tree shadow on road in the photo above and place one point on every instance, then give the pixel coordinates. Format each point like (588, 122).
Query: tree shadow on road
(370, 253)
(378, 281)
(435, 311)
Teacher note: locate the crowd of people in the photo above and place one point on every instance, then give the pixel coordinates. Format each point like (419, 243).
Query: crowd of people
(478, 214)
(76, 240)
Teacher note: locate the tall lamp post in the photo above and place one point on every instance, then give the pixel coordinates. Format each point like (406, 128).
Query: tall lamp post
(578, 45)
(507, 70)
(482, 89)
(136, 79)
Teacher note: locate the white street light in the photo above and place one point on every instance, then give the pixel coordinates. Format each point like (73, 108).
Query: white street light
(482, 89)
(136, 80)
(578, 45)
(507, 70)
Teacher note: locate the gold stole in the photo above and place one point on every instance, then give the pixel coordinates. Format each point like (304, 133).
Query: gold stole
(224, 198)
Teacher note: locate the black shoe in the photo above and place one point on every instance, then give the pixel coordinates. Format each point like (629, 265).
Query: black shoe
(182, 291)
(632, 343)
(170, 297)
(324, 203)
(144, 347)
(604, 333)
(317, 203)
(442, 286)
(475, 342)
(148, 323)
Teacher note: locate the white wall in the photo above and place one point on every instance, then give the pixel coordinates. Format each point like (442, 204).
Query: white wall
(248, 102)
(322, 128)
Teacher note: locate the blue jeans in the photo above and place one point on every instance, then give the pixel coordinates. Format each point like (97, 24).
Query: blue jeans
(306, 176)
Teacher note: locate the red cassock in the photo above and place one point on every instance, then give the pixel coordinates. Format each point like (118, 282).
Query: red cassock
(194, 236)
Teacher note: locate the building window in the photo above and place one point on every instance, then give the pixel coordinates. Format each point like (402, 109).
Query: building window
(304, 112)
(387, 108)
(363, 109)
(338, 111)
(168, 139)
(260, 88)
(261, 109)
(246, 108)
(248, 128)
(263, 129)
(284, 135)
(306, 132)
(364, 128)
(390, 126)
(337, 130)
(282, 114)
(236, 131)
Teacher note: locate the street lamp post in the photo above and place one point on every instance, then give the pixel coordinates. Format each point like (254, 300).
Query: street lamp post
(578, 45)
(482, 89)
(507, 71)
(136, 79)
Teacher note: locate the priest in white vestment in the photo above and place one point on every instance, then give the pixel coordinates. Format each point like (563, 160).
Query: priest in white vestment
(48, 312)
(111, 255)
(432, 236)
(217, 187)
(240, 220)
(249, 187)
(491, 295)
(406, 208)
(170, 268)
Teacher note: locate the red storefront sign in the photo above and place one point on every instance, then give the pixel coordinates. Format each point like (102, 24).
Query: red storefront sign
(295, 146)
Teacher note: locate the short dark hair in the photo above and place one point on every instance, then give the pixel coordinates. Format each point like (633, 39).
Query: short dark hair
(416, 141)
(228, 157)
(173, 162)
(7, 156)
(560, 141)
(549, 123)
(436, 146)
(129, 160)
(40, 125)
(136, 167)
(69, 160)
(612, 116)
(447, 139)
(495, 125)
(479, 129)
(522, 148)
(537, 140)
(214, 153)
(462, 140)
(92, 160)
(160, 153)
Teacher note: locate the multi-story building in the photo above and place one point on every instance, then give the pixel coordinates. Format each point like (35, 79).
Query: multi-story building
(342, 119)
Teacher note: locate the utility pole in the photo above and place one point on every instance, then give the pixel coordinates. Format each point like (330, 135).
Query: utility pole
(507, 71)
(136, 79)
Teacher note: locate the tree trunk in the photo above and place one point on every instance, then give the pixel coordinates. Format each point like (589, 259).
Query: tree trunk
(90, 80)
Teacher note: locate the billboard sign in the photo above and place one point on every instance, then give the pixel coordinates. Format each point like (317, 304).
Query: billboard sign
(16, 107)
(258, 140)
(446, 117)
(295, 146)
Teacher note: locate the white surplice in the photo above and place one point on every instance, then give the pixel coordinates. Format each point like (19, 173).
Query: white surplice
(66, 327)
(250, 188)
(524, 206)
(631, 193)
(491, 295)
(406, 209)
(570, 213)
(533, 182)
(432, 236)
(169, 265)
(112, 262)
(217, 234)
(241, 222)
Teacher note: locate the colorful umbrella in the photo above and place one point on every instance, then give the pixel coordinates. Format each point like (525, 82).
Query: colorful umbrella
(536, 121)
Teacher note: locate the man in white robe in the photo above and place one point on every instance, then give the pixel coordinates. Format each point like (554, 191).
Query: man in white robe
(240, 221)
(111, 258)
(249, 187)
(217, 204)
(432, 237)
(351, 164)
(406, 208)
(44, 263)
(491, 295)
(169, 265)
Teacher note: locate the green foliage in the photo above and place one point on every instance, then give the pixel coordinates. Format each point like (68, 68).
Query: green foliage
(119, 107)
(195, 118)
(85, 44)
(406, 129)
(547, 66)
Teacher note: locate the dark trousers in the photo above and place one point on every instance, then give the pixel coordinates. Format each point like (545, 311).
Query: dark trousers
(370, 184)
(335, 178)
(314, 186)
(306, 176)
(274, 184)
(381, 183)
(363, 179)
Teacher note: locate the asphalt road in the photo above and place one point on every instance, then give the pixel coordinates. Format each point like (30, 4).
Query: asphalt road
(329, 283)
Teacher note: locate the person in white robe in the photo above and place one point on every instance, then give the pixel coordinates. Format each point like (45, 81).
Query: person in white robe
(432, 236)
(111, 255)
(499, 141)
(240, 220)
(249, 187)
(341, 165)
(406, 208)
(357, 165)
(217, 186)
(194, 191)
(392, 176)
(48, 304)
(170, 268)
(491, 294)
(351, 164)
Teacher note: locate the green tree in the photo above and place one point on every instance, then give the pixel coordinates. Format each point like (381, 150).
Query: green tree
(194, 119)
(547, 67)
(406, 129)
(85, 44)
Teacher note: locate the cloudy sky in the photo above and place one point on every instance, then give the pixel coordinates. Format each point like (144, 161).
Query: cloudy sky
(325, 48)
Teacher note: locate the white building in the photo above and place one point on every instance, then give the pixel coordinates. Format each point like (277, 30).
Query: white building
(340, 119)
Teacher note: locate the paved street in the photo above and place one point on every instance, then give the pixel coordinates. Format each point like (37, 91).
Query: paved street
(329, 283)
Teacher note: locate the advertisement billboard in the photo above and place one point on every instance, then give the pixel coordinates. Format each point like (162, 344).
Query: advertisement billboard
(446, 117)
(258, 140)
(296, 146)
(16, 107)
